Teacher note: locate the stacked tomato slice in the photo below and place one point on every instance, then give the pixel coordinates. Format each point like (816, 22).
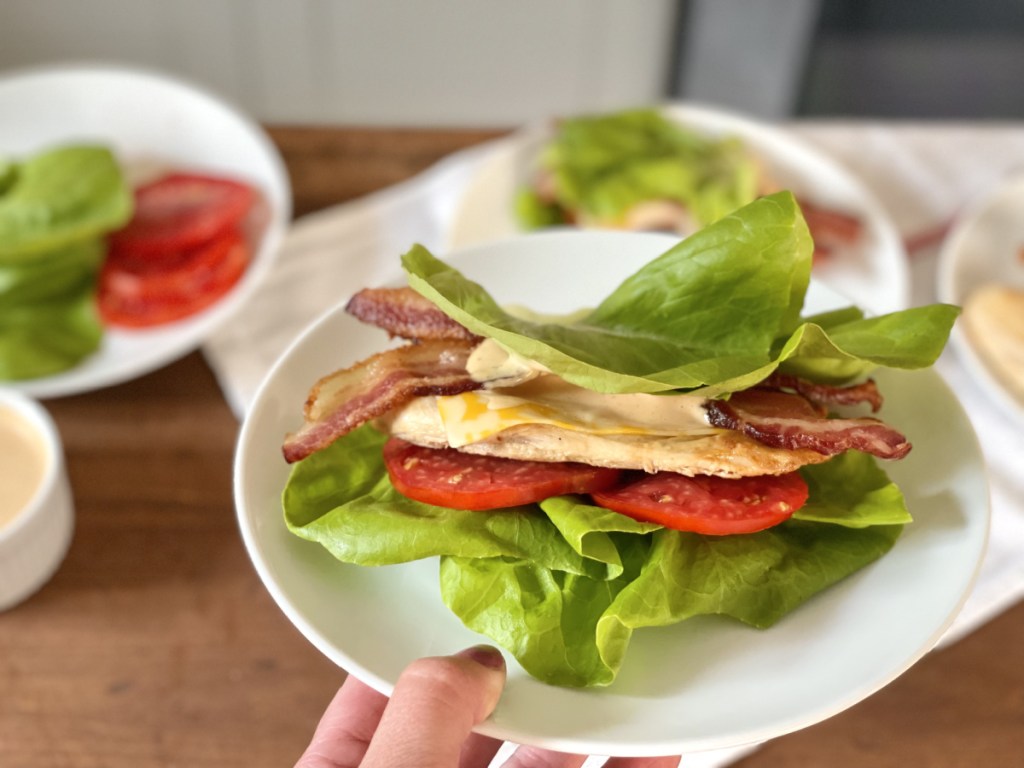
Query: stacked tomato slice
(714, 506)
(183, 249)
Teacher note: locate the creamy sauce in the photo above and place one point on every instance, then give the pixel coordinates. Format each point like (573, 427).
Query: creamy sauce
(492, 363)
(22, 463)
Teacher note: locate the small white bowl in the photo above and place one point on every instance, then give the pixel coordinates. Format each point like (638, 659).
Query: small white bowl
(34, 541)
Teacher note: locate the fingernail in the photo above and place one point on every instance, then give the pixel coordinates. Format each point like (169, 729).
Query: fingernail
(485, 655)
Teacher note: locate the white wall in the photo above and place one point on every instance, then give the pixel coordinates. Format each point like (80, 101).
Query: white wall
(478, 63)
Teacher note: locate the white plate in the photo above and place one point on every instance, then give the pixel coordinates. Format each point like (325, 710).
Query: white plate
(874, 274)
(702, 684)
(984, 247)
(148, 120)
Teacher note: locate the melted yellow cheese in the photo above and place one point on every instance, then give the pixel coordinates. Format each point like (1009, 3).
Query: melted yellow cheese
(478, 415)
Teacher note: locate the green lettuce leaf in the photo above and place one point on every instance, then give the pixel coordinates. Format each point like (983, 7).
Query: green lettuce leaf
(48, 319)
(707, 310)
(61, 196)
(755, 578)
(601, 166)
(548, 620)
(55, 208)
(534, 213)
(8, 173)
(46, 337)
(714, 314)
(562, 584)
(65, 272)
(853, 491)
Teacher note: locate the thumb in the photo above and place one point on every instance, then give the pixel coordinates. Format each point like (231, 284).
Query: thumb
(436, 703)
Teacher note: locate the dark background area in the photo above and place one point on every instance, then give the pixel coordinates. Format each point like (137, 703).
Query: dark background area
(915, 59)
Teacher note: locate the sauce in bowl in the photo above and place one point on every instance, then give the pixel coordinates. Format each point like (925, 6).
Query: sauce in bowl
(22, 463)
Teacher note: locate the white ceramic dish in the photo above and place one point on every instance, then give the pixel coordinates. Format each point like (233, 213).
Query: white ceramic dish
(149, 120)
(874, 274)
(34, 542)
(985, 246)
(702, 684)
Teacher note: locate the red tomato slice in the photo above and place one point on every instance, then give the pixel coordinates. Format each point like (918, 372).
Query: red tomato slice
(704, 504)
(446, 477)
(181, 211)
(138, 294)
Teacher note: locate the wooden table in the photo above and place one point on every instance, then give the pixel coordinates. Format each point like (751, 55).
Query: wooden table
(156, 644)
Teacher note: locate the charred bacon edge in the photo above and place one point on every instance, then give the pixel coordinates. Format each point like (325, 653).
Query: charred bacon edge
(406, 314)
(346, 399)
(824, 394)
(784, 420)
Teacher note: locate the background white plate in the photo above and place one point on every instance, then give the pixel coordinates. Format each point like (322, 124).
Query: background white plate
(149, 121)
(874, 274)
(985, 247)
(702, 684)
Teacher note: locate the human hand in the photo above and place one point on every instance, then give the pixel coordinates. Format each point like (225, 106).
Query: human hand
(428, 722)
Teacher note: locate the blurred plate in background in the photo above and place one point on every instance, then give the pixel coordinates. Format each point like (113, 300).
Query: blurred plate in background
(151, 122)
(985, 250)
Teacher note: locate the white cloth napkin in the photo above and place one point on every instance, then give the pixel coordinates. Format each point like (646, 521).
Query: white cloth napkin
(922, 174)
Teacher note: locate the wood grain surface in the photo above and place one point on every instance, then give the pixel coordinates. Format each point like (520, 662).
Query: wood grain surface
(155, 645)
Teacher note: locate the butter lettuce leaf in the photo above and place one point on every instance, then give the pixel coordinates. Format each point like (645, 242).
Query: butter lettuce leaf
(55, 208)
(563, 584)
(599, 166)
(707, 310)
(64, 272)
(550, 621)
(61, 196)
(853, 491)
(48, 318)
(715, 314)
(46, 337)
(757, 578)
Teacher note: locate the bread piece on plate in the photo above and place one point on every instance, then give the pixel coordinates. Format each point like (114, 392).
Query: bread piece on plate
(993, 319)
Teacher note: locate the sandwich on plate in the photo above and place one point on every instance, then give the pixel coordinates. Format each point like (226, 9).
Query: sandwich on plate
(647, 170)
(692, 445)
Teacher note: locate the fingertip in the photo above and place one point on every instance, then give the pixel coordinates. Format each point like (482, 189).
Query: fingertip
(490, 664)
(485, 655)
(470, 680)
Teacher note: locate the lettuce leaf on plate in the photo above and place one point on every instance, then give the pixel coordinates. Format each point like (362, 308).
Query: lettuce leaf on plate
(61, 196)
(562, 584)
(714, 314)
(48, 337)
(48, 317)
(66, 271)
(601, 166)
(55, 208)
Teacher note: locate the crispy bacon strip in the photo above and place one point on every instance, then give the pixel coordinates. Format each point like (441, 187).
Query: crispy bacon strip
(346, 399)
(823, 394)
(784, 420)
(404, 313)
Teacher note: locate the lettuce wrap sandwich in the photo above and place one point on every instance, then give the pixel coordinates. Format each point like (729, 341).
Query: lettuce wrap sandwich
(692, 445)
